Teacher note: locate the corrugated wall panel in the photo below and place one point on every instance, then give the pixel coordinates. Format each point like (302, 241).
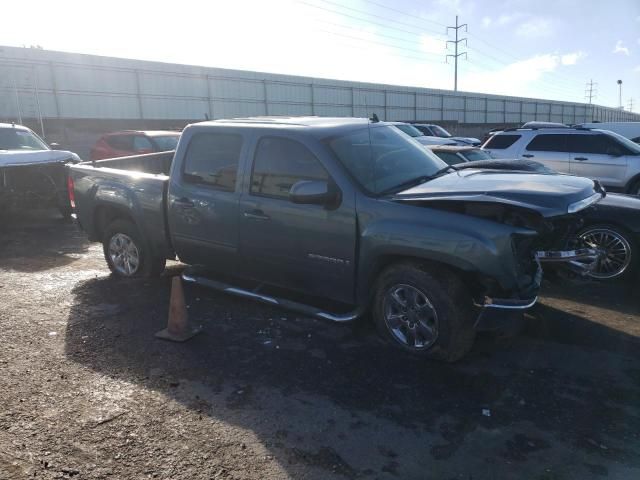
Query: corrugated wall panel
(240, 89)
(153, 84)
(86, 86)
(334, 96)
(235, 108)
(289, 93)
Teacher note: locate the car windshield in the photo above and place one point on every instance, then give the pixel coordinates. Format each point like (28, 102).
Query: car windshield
(18, 139)
(440, 132)
(473, 155)
(166, 142)
(382, 157)
(634, 147)
(410, 130)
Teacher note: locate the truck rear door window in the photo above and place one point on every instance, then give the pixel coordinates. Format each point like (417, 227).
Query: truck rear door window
(279, 163)
(212, 160)
(500, 142)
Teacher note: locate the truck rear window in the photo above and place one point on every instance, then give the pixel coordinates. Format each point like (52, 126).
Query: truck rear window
(500, 142)
(212, 159)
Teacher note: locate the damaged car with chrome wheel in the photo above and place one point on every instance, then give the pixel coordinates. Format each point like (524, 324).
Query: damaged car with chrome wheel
(339, 218)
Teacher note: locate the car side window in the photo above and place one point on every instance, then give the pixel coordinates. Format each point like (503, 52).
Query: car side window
(596, 144)
(141, 143)
(212, 160)
(281, 162)
(121, 142)
(500, 142)
(548, 143)
(450, 158)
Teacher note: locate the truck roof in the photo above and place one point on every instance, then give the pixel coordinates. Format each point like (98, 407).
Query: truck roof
(13, 125)
(318, 126)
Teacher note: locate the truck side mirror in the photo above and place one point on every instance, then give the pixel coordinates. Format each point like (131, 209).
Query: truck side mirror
(54, 146)
(313, 192)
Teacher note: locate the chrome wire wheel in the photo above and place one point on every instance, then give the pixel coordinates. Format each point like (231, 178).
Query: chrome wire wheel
(124, 254)
(410, 317)
(616, 252)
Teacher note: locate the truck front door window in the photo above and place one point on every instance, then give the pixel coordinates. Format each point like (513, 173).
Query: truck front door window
(279, 163)
(212, 160)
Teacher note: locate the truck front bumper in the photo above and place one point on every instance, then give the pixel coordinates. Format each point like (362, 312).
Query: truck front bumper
(506, 314)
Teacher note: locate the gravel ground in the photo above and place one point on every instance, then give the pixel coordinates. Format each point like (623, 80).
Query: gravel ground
(86, 391)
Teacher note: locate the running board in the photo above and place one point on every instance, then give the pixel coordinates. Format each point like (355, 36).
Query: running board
(278, 302)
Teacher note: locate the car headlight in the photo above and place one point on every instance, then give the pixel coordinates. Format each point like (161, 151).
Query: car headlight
(584, 203)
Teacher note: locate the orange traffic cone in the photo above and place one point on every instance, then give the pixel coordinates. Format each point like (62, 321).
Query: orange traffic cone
(178, 327)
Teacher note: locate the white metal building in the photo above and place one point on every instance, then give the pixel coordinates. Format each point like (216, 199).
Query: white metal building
(46, 84)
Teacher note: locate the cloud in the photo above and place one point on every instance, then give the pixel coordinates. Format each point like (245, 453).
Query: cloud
(536, 27)
(637, 69)
(620, 48)
(520, 77)
(486, 22)
(572, 58)
(502, 20)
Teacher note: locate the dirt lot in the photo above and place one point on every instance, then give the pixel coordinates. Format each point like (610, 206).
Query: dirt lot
(86, 391)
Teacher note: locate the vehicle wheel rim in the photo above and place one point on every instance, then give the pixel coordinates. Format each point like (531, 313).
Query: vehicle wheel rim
(124, 254)
(616, 252)
(410, 317)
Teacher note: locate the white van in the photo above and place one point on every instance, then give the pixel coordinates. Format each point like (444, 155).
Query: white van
(631, 130)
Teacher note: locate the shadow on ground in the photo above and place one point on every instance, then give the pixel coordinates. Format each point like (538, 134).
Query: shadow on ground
(548, 394)
(22, 235)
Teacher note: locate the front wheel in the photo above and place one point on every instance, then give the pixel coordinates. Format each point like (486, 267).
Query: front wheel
(619, 251)
(127, 254)
(423, 314)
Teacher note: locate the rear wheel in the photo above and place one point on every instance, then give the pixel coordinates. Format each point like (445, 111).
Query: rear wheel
(126, 252)
(423, 314)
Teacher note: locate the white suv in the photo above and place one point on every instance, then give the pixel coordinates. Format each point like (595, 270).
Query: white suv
(599, 154)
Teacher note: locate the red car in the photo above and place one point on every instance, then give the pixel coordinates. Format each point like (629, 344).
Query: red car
(134, 142)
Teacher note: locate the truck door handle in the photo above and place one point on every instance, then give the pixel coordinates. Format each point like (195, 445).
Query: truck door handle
(528, 155)
(184, 203)
(256, 214)
(581, 159)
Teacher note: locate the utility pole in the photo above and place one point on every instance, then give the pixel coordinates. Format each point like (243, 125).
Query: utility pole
(631, 104)
(456, 55)
(620, 94)
(590, 91)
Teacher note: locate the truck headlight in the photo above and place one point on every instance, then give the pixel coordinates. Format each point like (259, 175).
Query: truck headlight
(584, 203)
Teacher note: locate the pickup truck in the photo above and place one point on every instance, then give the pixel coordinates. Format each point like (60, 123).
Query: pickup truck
(337, 218)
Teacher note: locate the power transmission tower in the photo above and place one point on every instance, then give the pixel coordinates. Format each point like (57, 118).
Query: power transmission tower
(590, 91)
(631, 104)
(456, 55)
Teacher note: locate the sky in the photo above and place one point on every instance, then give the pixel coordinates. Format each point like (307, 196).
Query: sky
(541, 49)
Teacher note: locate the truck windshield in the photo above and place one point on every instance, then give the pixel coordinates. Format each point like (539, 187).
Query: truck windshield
(17, 139)
(634, 147)
(382, 157)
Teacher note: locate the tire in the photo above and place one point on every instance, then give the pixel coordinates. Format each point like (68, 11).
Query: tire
(633, 188)
(436, 320)
(621, 260)
(126, 252)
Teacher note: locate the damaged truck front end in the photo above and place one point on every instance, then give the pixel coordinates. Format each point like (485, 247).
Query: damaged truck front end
(528, 220)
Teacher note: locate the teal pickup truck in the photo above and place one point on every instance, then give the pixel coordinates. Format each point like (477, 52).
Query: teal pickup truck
(338, 218)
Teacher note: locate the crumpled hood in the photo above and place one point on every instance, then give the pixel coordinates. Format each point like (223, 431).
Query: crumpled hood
(15, 158)
(548, 194)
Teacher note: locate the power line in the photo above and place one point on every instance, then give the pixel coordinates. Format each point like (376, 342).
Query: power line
(456, 55)
(407, 14)
(590, 91)
(363, 12)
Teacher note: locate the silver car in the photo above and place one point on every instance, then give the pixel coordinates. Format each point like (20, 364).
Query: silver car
(598, 154)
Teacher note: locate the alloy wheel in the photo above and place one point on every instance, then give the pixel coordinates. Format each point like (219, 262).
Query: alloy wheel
(615, 248)
(410, 317)
(124, 254)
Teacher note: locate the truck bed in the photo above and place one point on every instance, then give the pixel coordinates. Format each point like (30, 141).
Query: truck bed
(135, 186)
